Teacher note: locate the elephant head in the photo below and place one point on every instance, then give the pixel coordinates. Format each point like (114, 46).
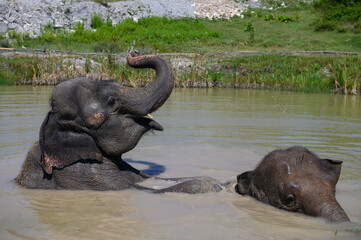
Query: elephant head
(296, 180)
(92, 119)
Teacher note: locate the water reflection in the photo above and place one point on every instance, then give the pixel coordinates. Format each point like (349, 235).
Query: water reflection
(214, 132)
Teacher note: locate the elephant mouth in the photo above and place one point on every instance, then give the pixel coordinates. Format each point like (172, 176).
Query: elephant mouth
(147, 122)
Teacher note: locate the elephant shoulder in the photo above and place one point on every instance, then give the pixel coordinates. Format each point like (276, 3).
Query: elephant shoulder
(32, 174)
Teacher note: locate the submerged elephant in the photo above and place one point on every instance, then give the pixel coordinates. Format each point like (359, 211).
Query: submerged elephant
(296, 180)
(91, 124)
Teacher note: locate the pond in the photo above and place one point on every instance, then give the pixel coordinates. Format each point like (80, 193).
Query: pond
(215, 132)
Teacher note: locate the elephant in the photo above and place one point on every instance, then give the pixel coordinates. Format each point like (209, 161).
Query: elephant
(297, 180)
(91, 124)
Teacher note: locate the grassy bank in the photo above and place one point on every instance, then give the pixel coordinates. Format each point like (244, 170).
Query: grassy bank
(340, 74)
(307, 74)
(276, 30)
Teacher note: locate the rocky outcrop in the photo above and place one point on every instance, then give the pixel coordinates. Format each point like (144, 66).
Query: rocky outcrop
(218, 9)
(30, 16)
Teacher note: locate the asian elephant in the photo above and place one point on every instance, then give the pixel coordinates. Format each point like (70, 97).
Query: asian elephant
(91, 124)
(296, 180)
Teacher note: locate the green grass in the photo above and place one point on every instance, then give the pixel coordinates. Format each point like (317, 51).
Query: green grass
(279, 36)
(153, 33)
(291, 29)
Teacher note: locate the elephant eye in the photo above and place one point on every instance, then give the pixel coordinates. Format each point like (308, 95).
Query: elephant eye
(111, 100)
(290, 200)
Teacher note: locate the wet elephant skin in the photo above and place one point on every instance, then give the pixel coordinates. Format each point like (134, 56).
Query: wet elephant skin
(296, 180)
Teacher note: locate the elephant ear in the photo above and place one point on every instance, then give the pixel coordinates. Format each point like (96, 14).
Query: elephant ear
(64, 142)
(244, 181)
(332, 168)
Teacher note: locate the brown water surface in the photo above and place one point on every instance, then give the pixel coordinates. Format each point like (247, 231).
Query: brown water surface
(218, 133)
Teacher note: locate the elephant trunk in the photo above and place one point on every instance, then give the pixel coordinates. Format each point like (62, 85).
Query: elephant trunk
(333, 212)
(141, 101)
(327, 207)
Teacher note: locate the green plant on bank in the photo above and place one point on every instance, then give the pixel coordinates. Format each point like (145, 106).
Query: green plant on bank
(285, 19)
(4, 43)
(19, 39)
(269, 17)
(250, 28)
(97, 21)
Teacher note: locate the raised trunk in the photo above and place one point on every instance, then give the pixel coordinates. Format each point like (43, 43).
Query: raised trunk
(141, 101)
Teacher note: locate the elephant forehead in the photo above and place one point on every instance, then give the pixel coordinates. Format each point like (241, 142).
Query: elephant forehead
(299, 161)
(300, 169)
(277, 171)
(67, 93)
(315, 185)
(307, 180)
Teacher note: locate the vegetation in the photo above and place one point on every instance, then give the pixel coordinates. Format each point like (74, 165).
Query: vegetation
(277, 30)
(250, 28)
(341, 15)
(52, 70)
(155, 34)
(298, 73)
(307, 74)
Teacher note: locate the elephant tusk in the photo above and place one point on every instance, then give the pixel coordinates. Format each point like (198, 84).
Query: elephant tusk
(150, 116)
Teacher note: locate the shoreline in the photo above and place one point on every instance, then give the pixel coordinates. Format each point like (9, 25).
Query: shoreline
(303, 71)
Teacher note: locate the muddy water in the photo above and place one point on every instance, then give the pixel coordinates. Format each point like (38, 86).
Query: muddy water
(218, 133)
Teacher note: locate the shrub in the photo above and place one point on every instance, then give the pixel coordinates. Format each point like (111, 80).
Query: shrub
(17, 38)
(357, 27)
(285, 19)
(324, 25)
(4, 43)
(338, 10)
(96, 21)
(269, 17)
(249, 27)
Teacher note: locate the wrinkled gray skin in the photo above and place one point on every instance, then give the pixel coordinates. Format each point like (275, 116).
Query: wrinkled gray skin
(295, 180)
(91, 124)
